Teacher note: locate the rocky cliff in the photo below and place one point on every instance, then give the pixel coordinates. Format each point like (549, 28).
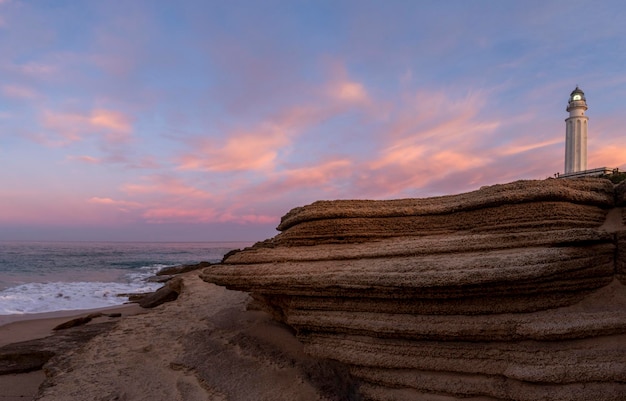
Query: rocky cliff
(512, 292)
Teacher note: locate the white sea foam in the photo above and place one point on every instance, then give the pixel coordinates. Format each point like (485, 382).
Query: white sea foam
(40, 277)
(57, 296)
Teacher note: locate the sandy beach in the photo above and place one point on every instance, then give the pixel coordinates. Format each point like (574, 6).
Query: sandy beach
(206, 345)
(18, 328)
(14, 328)
(20, 387)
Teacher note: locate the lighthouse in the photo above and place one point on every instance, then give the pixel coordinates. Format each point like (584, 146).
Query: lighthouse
(576, 133)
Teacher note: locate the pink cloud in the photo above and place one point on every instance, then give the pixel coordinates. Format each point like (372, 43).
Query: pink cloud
(113, 126)
(166, 186)
(163, 199)
(85, 159)
(172, 214)
(236, 216)
(400, 154)
(341, 86)
(436, 116)
(111, 120)
(608, 156)
(36, 69)
(142, 162)
(38, 206)
(349, 91)
(169, 199)
(320, 174)
(106, 201)
(242, 151)
(459, 161)
(606, 143)
(18, 92)
(69, 126)
(518, 147)
(421, 138)
(429, 136)
(264, 146)
(112, 202)
(323, 178)
(254, 149)
(203, 214)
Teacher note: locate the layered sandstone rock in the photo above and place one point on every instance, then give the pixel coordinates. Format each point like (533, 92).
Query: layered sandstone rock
(512, 292)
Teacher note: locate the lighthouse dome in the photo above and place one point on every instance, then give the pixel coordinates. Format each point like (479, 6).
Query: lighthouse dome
(577, 94)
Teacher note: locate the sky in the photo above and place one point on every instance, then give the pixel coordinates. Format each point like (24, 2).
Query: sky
(151, 120)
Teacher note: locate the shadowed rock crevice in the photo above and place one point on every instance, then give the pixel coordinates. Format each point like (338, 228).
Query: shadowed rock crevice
(28, 356)
(168, 293)
(510, 292)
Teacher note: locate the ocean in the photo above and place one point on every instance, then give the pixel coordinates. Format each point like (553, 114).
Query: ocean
(37, 277)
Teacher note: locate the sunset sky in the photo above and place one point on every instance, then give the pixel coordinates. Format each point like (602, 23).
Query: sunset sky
(209, 120)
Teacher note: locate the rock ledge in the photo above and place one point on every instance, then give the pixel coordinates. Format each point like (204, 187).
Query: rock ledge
(512, 292)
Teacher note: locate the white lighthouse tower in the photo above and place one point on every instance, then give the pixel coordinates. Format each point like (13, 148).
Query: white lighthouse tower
(576, 133)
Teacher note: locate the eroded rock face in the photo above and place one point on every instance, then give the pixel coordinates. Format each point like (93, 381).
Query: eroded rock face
(512, 292)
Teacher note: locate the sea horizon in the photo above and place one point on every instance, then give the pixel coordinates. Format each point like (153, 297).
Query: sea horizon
(50, 276)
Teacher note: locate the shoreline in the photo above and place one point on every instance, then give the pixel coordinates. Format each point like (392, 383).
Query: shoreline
(31, 326)
(65, 313)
